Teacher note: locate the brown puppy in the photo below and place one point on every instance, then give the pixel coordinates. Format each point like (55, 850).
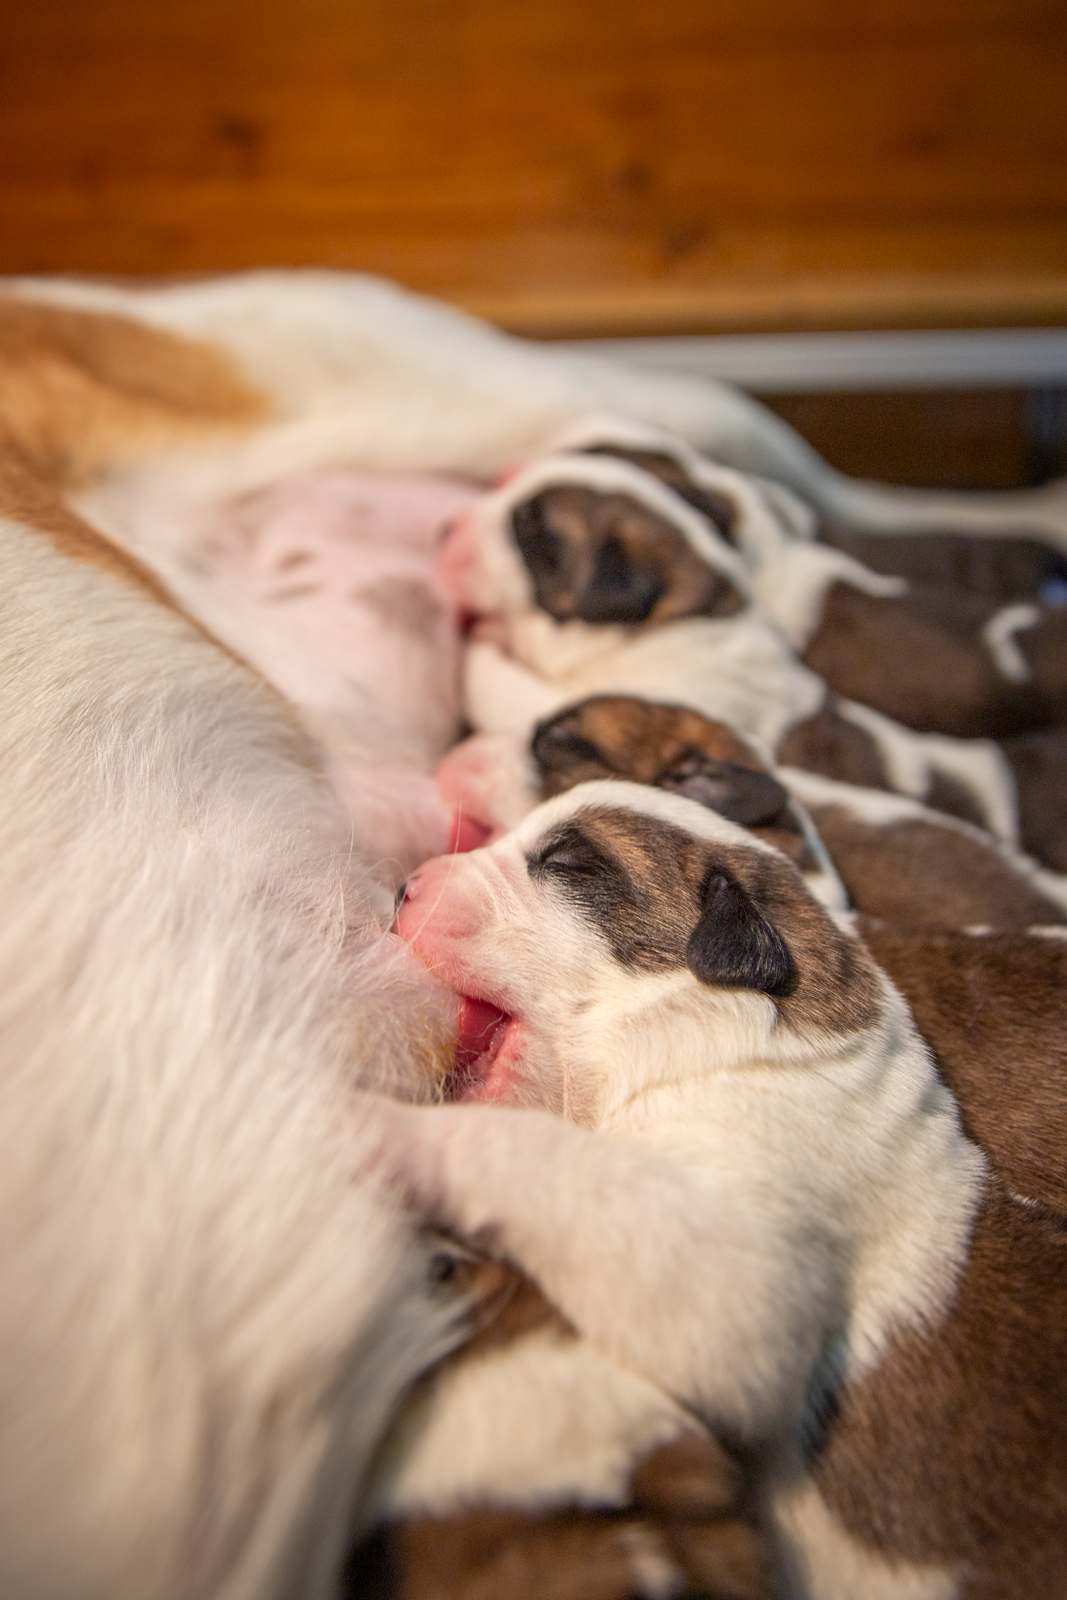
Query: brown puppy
(896, 860)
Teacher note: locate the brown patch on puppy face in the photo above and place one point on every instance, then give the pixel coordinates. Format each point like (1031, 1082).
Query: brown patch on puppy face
(912, 871)
(607, 558)
(993, 1009)
(829, 743)
(81, 389)
(1039, 762)
(1000, 570)
(954, 1450)
(663, 898)
(920, 658)
(718, 507)
(672, 748)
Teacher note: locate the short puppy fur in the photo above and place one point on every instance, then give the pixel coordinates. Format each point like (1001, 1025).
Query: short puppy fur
(783, 1222)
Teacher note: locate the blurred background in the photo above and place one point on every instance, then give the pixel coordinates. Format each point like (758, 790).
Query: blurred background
(596, 169)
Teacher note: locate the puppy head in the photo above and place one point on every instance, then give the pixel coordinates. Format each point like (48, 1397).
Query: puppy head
(673, 748)
(622, 936)
(591, 539)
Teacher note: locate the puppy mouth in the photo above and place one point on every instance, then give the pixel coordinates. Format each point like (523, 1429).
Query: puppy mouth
(480, 1034)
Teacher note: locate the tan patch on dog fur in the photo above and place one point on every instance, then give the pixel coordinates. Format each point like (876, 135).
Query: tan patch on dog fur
(608, 558)
(1039, 763)
(954, 1450)
(643, 892)
(921, 660)
(509, 1305)
(39, 509)
(993, 1009)
(643, 741)
(912, 871)
(80, 389)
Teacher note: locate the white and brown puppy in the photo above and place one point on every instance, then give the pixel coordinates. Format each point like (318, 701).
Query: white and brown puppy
(895, 858)
(534, 649)
(772, 1185)
(928, 654)
(768, 1205)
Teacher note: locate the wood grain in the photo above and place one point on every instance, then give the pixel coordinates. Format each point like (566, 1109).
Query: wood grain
(560, 165)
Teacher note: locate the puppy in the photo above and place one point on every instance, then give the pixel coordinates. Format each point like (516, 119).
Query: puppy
(534, 649)
(782, 1221)
(935, 658)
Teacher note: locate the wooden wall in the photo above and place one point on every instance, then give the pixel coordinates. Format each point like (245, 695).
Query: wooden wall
(564, 166)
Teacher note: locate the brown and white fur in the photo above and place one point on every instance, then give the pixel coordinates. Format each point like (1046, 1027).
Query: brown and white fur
(934, 656)
(775, 1193)
(732, 663)
(208, 1307)
(781, 1220)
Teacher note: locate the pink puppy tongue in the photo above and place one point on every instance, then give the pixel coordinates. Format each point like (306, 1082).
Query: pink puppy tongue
(480, 1032)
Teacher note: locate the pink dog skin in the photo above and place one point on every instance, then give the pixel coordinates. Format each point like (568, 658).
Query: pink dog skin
(330, 576)
(438, 916)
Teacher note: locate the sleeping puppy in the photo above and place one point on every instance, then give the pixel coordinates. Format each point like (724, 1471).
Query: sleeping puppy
(882, 854)
(607, 535)
(929, 655)
(781, 1220)
(534, 648)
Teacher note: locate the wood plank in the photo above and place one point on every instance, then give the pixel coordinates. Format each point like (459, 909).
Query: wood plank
(693, 165)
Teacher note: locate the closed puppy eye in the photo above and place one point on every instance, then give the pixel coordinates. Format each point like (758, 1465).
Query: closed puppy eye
(569, 854)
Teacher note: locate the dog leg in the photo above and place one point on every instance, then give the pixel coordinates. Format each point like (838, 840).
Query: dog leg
(722, 1297)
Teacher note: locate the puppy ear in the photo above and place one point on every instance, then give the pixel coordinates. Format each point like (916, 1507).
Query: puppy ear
(739, 794)
(735, 945)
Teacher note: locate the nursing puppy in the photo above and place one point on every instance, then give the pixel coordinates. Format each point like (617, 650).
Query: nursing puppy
(881, 854)
(934, 657)
(782, 1221)
(530, 654)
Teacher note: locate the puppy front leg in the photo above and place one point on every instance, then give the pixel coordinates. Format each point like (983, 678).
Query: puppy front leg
(718, 1290)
